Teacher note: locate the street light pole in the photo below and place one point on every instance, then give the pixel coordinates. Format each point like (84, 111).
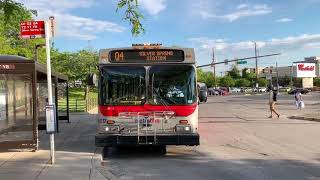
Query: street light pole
(257, 72)
(291, 76)
(277, 77)
(214, 69)
(50, 101)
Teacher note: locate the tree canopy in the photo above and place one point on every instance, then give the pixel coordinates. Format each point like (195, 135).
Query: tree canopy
(242, 82)
(227, 81)
(205, 77)
(132, 15)
(234, 72)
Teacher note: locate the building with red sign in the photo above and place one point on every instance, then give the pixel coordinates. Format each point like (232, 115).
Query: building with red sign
(307, 70)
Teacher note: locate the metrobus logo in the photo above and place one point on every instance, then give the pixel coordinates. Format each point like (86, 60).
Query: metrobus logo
(303, 67)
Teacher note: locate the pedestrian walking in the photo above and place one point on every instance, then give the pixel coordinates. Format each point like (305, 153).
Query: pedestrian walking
(273, 94)
(298, 100)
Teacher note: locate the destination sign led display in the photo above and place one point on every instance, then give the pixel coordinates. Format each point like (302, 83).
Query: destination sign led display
(146, 56)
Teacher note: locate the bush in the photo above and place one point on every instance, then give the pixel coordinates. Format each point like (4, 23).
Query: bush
(226, 81)
(242, 83)
(316, 82)
(262, 82)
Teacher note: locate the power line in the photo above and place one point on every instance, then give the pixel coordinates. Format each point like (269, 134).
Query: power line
(247, 58)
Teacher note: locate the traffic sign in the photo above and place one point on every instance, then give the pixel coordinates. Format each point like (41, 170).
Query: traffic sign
(241, 62)
(32, 29)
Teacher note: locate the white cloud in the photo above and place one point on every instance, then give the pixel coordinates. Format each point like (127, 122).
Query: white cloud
(241, 6)
(287, 43)
(241, 11)
(57, 5)
(153, 7)
(69, 25)
(284, 20)
(315, 45)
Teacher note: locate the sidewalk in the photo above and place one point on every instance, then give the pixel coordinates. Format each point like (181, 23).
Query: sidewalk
(76, 156)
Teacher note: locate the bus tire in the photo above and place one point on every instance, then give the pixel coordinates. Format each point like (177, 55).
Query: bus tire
(162, 150)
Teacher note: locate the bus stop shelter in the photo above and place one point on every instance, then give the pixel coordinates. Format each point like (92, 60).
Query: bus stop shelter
(23, 97)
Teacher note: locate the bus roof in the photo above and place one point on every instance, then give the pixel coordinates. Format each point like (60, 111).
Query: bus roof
(147, 55)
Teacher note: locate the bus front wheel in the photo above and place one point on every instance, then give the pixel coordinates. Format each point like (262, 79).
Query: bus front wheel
(162, 150)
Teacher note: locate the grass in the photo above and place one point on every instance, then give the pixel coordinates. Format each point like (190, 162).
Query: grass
(77, 103)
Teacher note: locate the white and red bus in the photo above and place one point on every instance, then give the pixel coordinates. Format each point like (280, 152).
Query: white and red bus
(147, 96)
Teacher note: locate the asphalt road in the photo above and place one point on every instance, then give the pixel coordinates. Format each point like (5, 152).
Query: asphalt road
(238, 142)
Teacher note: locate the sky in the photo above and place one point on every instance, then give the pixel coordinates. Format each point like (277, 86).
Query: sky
(289, 27)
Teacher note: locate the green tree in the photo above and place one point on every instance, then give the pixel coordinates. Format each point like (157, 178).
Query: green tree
(242, 82)
(316, 82)
(226, 81)
(132, 15)
(76, 65)
(262, 82)
(205, 77)
(11, 14)
(234, 72)
(285, 81)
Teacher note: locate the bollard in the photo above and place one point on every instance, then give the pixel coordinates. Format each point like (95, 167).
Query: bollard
(76, 105)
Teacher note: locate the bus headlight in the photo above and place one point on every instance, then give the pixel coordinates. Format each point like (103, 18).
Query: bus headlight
(183, 128)
(110, 129)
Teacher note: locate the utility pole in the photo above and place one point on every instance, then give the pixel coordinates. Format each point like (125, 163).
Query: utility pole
(36, 57)
(257, 72)
(291, 76)
(277, 77)
(214, 69)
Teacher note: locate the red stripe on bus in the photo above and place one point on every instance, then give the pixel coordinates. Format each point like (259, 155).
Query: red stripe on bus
(185, 110)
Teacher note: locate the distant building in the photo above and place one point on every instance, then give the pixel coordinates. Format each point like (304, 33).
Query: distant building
(282, 71)
(316, 60)
(291, 71)
(253, 70)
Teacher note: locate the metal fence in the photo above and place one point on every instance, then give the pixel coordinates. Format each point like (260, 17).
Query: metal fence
(79, 105)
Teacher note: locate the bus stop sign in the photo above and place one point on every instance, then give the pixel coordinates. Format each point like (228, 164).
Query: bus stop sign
(32, 29)
(51, 118)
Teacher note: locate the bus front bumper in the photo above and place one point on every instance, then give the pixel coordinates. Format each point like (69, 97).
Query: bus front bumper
(102, 140)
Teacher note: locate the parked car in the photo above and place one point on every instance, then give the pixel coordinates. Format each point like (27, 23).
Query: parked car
(246, 90)
(213, 92)
(202, 92)
(301, 90)
(77, 83)
(223, 92)
(235, 90)
(284, 89)
(263, 89)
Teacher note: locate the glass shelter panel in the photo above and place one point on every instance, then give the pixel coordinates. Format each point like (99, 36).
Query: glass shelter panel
(16, 116)
(42, 88)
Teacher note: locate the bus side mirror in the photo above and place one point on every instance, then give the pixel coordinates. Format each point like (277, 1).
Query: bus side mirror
(92, 80)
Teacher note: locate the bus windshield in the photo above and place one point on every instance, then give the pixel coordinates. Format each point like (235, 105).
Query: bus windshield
(172, 85)
(122, 85)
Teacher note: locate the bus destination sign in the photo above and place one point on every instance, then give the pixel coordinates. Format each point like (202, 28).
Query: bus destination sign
(146, 56)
